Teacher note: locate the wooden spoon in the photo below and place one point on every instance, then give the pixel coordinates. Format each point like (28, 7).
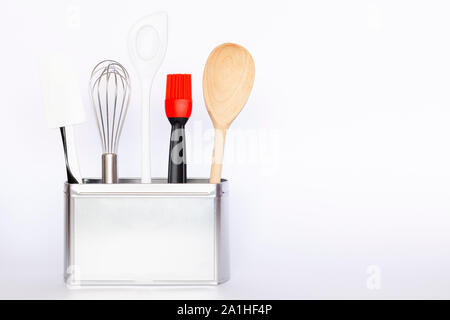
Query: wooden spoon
(227, 82)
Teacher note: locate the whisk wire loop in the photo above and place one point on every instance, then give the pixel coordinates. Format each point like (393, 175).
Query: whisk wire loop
(109, 89)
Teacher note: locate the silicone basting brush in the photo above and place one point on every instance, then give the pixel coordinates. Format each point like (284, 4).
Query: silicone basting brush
(178, 110)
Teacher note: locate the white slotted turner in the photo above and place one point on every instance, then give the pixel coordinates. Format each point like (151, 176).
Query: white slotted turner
(147, 44)
(64, 106)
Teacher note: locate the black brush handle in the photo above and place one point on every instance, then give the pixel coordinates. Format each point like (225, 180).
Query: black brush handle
(70, 178)
(177, 153)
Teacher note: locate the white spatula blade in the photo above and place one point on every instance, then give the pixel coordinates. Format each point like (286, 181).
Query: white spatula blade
(61, 92)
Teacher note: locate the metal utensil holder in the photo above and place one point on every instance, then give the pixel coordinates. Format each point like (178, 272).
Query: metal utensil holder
(131, 234)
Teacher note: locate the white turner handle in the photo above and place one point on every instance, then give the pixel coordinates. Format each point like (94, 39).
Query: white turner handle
(147, 44)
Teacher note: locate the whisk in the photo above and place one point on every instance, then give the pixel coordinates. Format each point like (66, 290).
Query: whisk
(109, 89)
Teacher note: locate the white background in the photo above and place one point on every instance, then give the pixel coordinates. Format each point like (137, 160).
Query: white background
(350, 167)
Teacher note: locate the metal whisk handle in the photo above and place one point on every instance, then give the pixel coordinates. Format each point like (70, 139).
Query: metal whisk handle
(109, 168)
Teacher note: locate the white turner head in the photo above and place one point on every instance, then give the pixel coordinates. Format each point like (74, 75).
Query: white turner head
(61, 92)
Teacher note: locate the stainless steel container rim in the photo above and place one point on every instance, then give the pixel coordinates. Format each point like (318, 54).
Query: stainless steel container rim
(154, 181)
(196, 187)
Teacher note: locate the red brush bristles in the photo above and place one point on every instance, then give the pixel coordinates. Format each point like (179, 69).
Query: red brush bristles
(179, 86)
(178, 96)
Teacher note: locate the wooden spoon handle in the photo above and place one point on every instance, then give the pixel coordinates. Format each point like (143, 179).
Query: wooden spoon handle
(219, 145)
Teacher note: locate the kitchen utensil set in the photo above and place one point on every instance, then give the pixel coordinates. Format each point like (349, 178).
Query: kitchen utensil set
(227, 81)
(128, 232)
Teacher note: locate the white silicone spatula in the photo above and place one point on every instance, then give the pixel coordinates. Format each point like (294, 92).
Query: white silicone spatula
(64, 106)
(147, 44)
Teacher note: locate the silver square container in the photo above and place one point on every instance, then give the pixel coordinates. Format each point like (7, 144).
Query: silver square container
(132, 234)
